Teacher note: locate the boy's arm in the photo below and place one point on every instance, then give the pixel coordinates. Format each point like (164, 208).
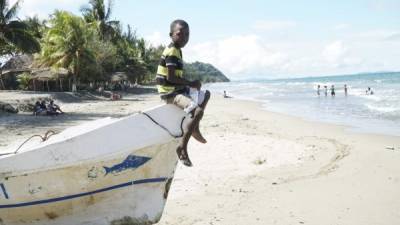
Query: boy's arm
(181, 81)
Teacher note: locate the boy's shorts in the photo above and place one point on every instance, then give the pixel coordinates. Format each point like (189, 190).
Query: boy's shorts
(187, 99)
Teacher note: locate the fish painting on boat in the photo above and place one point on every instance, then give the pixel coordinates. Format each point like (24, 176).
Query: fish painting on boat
(131, 162)
(57, 182)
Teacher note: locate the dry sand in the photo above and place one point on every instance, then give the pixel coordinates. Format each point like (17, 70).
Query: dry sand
(260, 167)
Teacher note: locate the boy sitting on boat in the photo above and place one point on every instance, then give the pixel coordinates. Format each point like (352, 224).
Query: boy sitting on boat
(175, 89)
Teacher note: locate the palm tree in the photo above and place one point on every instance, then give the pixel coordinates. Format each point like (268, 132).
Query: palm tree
(130, 35)
(66, 44)
(14, 34)
(99, 14)
(36, 26)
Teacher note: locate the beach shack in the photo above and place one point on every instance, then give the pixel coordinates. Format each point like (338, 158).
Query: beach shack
(49, 79)
(12, 68)
(119, 80)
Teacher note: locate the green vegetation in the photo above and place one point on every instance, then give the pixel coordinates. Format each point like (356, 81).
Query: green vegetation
(90, 46)
(23, 80)
(204, 72)
(67, 44)
(15, 35)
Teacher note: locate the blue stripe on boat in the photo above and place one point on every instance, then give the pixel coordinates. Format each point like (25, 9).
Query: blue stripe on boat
(4, 191)
(150, 180)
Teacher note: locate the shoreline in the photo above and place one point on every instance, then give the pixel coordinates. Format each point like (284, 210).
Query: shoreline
(260, 167)
(349, 127)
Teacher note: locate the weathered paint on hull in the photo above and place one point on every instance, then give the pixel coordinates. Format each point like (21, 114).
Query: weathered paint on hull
(85, 194)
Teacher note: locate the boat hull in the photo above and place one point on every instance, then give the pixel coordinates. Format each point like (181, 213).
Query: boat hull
(110, 171)
(86, 194)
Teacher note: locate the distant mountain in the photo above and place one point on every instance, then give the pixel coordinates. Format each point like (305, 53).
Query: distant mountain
(204, 72)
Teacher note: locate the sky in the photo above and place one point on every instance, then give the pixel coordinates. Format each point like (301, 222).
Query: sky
(264, 38)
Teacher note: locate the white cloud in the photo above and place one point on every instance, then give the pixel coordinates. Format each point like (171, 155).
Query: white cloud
(156, 38)
(342, 26)
(393, 37)
(273, 25)
(377, 34)
(249, 56)
(385, 5)
(43, 8)
(238, 55)
(334, 52)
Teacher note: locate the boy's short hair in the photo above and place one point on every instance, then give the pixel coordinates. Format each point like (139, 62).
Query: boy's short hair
(180, 22)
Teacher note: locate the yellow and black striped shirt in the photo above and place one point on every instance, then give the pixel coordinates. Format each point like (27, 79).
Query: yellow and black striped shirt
(172, 56)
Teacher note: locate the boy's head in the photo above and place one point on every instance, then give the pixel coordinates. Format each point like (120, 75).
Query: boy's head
(179, 33)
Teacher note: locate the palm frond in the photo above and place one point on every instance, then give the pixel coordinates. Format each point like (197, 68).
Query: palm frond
(17, 25)
(109, 10)
(21, 38)
(12, 12)
(3, 9)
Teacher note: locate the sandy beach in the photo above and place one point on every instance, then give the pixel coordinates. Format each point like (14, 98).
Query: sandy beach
(258, 167)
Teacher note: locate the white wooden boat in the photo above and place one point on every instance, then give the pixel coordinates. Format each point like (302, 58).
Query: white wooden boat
(107, 171)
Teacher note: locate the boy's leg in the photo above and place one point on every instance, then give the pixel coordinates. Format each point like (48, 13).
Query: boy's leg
(182, 102)
(182, 148)
(196, 132)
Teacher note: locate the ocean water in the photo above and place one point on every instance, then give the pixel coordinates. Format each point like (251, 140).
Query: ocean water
(377, 113)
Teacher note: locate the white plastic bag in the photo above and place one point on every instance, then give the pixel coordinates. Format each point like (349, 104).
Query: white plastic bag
(194, 95)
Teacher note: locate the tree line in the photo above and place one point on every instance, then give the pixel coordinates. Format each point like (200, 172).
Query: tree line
(90, 46)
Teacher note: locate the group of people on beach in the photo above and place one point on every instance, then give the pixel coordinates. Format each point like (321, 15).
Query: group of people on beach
(332, 90)
(345, 88)
(51, 109)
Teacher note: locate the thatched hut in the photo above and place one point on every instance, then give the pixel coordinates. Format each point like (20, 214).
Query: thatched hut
(117, 77)
(49, 79)
(118, 81)
(12, 68)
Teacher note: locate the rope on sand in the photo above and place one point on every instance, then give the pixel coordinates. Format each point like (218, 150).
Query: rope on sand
(44, 138)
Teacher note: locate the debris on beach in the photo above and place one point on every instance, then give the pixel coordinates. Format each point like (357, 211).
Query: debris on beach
(8, 108)
(390, 148)
(259, 161)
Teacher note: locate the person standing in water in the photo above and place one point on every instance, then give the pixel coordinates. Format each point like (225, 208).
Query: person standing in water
(332, 90)
(318, 89)
(345, 89)
(326, 90)
(369, 91)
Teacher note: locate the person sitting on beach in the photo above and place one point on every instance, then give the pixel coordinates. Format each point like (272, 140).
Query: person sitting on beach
(175, 89)
(43, 105)
(53, 109)
(225, 95)
(37, 109)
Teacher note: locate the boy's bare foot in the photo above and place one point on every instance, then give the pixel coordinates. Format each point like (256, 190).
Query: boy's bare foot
(198, 136)
(187, 162)
(183, 157)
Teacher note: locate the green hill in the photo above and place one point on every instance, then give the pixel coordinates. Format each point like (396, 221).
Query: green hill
(204, 72)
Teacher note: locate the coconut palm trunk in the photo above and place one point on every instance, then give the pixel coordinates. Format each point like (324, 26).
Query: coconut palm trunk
(76, 72)
(1, 81)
